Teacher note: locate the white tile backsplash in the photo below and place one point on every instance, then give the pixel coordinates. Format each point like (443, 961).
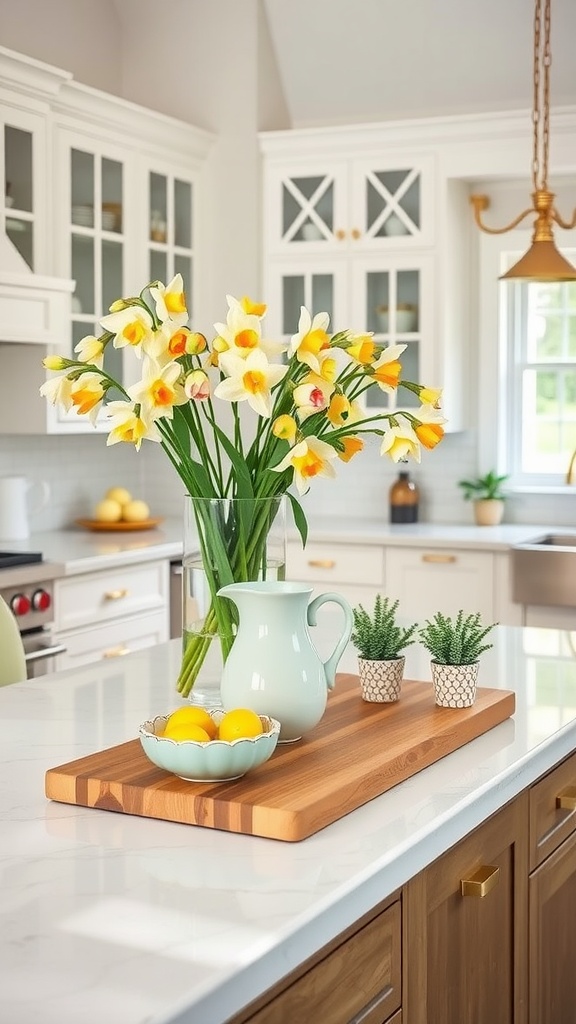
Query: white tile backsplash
(79, 469)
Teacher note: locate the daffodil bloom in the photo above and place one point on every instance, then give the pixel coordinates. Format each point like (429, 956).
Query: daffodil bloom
(363, 348)
(171, 342)
(388, 368)
(250, 379)
(197, 386)
(131, 327)
(58, 389)
(429, 434)
(285, 427)
(253, 308)
(54, 363)
(170, 301)
(242, 333)
(338, 410)
(91, 350)
(328, 367)
(159, 390)
(352, 445)
(399, 442)
(311, 397)
(128, 425)
(309, 458)
(311, 338)
(87, 393)
(431, 396)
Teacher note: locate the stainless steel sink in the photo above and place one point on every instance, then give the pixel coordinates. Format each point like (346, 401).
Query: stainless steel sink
(544, 570)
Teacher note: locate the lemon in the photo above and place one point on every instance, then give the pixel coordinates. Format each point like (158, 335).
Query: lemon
(186, 731)
(135, 511)
(241, 723)
(191, 715)
(108, 511)
(119, 494)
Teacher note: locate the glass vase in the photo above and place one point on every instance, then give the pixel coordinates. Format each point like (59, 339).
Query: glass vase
(226, 540)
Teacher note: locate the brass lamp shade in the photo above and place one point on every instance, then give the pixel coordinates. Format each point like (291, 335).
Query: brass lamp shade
(542, 262)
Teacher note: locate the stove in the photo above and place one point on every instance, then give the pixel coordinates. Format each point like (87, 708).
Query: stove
(26, 585)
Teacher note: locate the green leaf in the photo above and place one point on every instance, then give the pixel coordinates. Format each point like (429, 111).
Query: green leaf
(244, 487)
(299, 517)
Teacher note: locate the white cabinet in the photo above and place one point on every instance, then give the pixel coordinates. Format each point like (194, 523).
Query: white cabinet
(364, 228)
(102, 192)
(112, 612)
(355, 571)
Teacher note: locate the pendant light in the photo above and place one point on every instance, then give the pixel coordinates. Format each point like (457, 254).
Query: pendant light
(543, 261)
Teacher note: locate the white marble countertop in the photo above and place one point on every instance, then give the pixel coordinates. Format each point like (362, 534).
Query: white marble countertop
(375, 531)
(110, 917)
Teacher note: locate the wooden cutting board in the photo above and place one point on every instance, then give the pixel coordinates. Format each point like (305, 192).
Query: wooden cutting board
(357, 752)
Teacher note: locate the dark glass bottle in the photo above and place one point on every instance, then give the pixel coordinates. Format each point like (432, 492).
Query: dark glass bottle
(404, 496)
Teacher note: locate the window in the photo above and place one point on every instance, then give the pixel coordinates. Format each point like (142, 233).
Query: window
(528, 370)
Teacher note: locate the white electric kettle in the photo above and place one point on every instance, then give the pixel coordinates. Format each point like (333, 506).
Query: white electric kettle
(14, 507)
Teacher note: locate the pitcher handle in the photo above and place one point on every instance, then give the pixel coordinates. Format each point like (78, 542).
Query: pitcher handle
(332, 662)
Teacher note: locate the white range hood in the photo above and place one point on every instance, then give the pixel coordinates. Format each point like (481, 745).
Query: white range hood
(34, 309)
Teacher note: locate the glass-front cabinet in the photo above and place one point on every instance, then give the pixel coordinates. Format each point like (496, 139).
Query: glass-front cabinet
(170, 228)
(22, 205)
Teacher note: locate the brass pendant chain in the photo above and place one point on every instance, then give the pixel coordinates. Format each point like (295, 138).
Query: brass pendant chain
(542, 61)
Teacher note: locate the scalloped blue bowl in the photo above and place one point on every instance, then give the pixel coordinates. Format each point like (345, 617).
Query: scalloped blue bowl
(215, 761)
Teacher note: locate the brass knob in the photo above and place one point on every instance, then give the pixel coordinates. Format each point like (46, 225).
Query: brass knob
(340, 234)
(115, 595)
(356, 233)
(567, 799)
(116, 652)
(481, 882)
(444, 559)
(322, 563)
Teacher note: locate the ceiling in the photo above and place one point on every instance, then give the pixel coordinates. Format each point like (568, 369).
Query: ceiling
(343, 61)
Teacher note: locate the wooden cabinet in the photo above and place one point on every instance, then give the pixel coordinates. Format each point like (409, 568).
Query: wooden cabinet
(356, 978)
(111, 613)
(468, 951)
(355, 571)
(552, 892)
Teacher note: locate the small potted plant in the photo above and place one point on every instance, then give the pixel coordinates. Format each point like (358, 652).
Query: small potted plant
(379, 641)
(455, 645)
(488, 497)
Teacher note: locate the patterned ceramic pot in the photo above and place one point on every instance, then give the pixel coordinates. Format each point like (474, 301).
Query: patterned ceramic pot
(380, 681)
(455, 685)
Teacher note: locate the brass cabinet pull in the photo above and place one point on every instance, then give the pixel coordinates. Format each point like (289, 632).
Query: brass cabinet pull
(444, 559)
(567, 799)
(321, 563)
(340, 234)
(481, 882)
(115, 595)
(116, 652)
(356, 233)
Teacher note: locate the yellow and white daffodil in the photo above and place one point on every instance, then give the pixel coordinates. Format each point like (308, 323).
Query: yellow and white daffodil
(197, 386)
(57, 390)
(242, 333)
(309, 458)
(159, 390)
(254, 308)
(429, 429)
(388, 368)
(249, 379)
(400, 441)
(131, 327)
(362, 349)
(87, 394)
(311, 396)
(90, 350)
(310, 339)
(171, 342)
(170, 301)
(285, 427)
(128, 425)
(352, 445)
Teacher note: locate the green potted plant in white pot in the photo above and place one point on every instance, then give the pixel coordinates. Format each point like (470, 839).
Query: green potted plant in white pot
(379, 641)
(487, 494)
(455, 646)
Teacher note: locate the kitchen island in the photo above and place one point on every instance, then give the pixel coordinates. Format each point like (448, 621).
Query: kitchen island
(111, 917)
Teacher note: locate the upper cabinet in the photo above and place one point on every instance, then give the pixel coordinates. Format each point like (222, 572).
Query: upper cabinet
(104, 195)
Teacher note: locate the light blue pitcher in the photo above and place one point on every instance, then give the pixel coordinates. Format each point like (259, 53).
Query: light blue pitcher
(273, 666)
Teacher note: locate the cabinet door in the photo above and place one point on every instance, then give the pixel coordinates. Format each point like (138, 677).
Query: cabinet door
(320, 285)
(427, 580)
(392, 296)
(467, 954)
(170, 227)
(392, 203)
(23, 204)
(307, 207)
(553, 938)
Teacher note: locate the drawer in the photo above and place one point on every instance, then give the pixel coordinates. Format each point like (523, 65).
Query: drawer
(550, 822)
(96, 597)
(336, 563)
(111, 640)
(359, 980)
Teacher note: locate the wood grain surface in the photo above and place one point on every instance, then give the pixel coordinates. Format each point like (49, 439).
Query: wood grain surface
(355, 753)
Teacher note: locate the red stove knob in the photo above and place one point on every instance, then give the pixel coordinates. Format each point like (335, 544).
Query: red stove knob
(41, 600)
(20, 604)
